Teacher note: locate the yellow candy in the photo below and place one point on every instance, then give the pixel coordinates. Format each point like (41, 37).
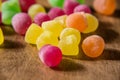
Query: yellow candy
(71, 31)
(46, 37)
(52, 26)
(69, 45)
(33, 33)
(92, 23)
(35, 9)
(1, 37)
(62, 20)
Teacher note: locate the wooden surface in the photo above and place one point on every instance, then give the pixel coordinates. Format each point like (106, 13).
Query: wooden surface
(19, 60)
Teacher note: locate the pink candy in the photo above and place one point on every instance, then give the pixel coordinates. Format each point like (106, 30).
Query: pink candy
(69, 6)
(21, 22)
(41, 17)
(82, 8)
(50, 55)
(55, 12)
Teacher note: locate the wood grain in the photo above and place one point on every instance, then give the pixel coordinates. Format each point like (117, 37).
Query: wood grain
(20, 61)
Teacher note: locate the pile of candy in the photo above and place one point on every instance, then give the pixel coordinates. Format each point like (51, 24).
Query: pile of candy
(57, 32)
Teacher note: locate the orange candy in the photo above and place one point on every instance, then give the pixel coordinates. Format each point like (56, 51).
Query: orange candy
(106, 7)
(93, 46)
(77, 21)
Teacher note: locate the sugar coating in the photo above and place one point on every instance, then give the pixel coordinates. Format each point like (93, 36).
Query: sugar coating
(35, 9)
(33, 32)
(93, 46)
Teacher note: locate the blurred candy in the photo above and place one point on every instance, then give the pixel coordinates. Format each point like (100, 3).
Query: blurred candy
(82, 8)
(106, 7)
(92, 23)
(93, 46)
(9, 9)
(77, 20)
(25, 4)
(1, 37)
(33, 33)
(40, 18)
(53, 26)
(81, 1)
(21, 22)
(46, 37)
(50, 55)
(69, 6)
(35, 9)
(56, 3)
(55, 12)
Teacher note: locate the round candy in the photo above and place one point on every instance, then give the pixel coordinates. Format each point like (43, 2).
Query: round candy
(93, 46)
(92, 23)
(40, 18)
(55, 12)
(77, 21)
(25, 4)
(69, 6)
(56, 3)
(82, 8)
(106, 7)
(50, 55)
(21, 22)
(35, 9)
(1, 37)
(33, 32)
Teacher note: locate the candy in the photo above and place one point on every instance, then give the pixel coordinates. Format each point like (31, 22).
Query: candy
(82, 8)
(25, 4)
(53, 26)
(1, 37)
(93, 46)
(106, 7)
(69, 6)
(21, 22)
(69, 45)
(46, 37)
(62, 20)
(56, 3)
(50, 55)
(55, 12)
(35, 9)
(77, 21)
(33, 32)
(9, 9)
(81, 1)
(92, 23)
(40, 18)
(70, 31)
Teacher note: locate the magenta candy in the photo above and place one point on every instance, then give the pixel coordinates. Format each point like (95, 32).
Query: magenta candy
(21, 22)
(50, 55)
(25, 4)
(41, 17)
(55, 12)
(82, 8)
(69, 6)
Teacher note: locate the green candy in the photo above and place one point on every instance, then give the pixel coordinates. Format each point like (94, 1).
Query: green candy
(81, 1)
(9, 9)
(57, 3)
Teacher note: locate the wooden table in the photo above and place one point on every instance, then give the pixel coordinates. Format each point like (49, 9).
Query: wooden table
(20, 61)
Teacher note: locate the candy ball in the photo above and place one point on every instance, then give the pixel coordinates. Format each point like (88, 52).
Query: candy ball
(50, 55)
(82, 8)
(25, 4)
(69, 6)
(56, 3)
(93, 46)
(1, 37)
(21, 22)
(106, 7)
(77, 21)
(41, 17)
(55, 12)
(35, 9)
